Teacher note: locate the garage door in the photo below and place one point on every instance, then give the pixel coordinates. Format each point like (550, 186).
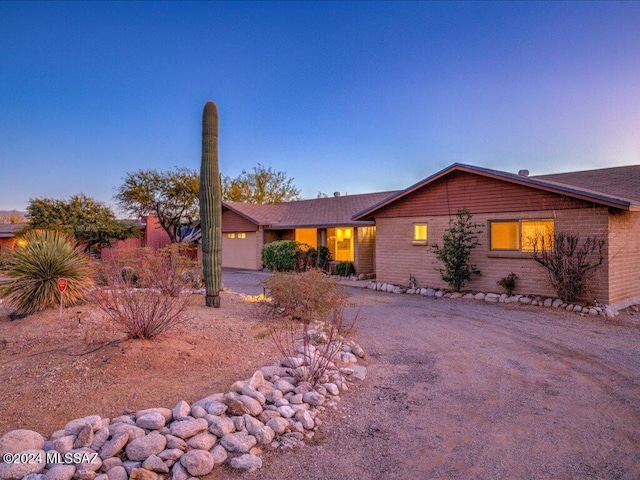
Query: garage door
(239, 250)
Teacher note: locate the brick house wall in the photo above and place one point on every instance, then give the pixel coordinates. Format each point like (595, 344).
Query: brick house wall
(489, 199)
(365, 246)
(397, 256)
(624, 258)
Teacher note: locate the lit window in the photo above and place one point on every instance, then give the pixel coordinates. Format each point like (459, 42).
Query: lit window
(242, 235)
(420, 232)
(521, 235)
(231, 235)
(538, 233)
(504, 235)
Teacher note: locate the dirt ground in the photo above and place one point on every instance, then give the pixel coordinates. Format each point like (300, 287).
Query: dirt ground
(53, 371)
(464, 389)
(455, 388)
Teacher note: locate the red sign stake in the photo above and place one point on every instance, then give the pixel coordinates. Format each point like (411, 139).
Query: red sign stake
(62, 286)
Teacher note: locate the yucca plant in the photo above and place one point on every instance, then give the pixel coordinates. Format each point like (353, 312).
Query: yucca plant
(36, 264)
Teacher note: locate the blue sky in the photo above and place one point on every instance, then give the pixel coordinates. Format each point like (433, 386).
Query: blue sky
(344, 96)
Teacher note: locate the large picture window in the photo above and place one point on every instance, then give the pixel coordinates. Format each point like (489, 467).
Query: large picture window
(520, 235)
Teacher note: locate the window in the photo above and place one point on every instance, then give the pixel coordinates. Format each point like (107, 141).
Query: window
(504, 235)
(420, 233)
(239, 235)
(308, 236)
(540, 231)
(340, 243)
(520, 235)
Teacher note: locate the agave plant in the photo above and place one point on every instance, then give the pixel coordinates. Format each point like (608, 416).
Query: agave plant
(35, 266)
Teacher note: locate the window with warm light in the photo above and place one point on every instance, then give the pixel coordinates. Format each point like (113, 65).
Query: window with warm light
(504, 235)
(340, 243)
(521, 235)
(242, 235)
(538, 233)
(308, 236)
(231, 235)
(419, 233)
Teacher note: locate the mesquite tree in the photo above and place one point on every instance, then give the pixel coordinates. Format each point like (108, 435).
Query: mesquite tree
(211, 206)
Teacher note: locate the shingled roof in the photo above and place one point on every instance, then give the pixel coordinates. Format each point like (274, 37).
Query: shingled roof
(621, 182)
(8, 230)
(317, 213)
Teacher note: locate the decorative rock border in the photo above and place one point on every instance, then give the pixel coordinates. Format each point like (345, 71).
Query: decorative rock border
(272, 409)
(596, 309)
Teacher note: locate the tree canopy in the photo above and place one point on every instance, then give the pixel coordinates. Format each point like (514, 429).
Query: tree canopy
(260, 185)
(12, 217)
(172, 196)
(91, 222)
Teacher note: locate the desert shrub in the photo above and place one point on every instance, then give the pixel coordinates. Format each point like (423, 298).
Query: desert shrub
(344, 269)
(306, 306)
(457, 243)
(141, 312)
(169, 268)
(156, 307)
(279, 256)
(289, 256)
(36, 264)
(304, 296)
(320, 258)
(569, 261)
(508, 283)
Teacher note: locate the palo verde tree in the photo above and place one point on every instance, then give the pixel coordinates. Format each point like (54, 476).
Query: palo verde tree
(90, 222)
(261, 185)
(211, 206)
(172, 196)
(457, 243)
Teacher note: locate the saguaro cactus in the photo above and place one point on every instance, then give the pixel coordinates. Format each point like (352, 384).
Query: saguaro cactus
(211, 206)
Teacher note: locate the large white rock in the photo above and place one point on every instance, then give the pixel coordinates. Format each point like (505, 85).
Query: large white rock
(198, 462)
(220, 426)
(188, 428)
(247, 462)
(18, 440)
(60, 472)
(115, 445)
(142, 448)
(202, 441)
(238, 442)
(37, 460)
(181, 411)
(219, 455)
(151, 421)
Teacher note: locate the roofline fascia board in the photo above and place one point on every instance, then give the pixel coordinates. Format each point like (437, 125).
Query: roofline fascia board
(321, 225)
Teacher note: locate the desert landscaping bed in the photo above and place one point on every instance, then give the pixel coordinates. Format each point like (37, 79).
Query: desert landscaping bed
(52, 371)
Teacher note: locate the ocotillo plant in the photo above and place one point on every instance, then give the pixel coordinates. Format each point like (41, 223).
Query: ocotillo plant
(211, 206)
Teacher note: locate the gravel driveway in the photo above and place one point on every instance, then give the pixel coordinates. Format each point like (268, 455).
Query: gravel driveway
(464, 389)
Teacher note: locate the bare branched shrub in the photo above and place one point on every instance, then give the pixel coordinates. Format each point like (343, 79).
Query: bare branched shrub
(309, 313)
(569, 261)
(155, 307)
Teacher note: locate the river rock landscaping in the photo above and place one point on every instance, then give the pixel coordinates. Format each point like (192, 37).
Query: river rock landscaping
(535, 300)
(270, 410)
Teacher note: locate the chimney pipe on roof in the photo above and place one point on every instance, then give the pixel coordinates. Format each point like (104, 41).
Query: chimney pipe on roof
(336, 194)
(523, 173)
